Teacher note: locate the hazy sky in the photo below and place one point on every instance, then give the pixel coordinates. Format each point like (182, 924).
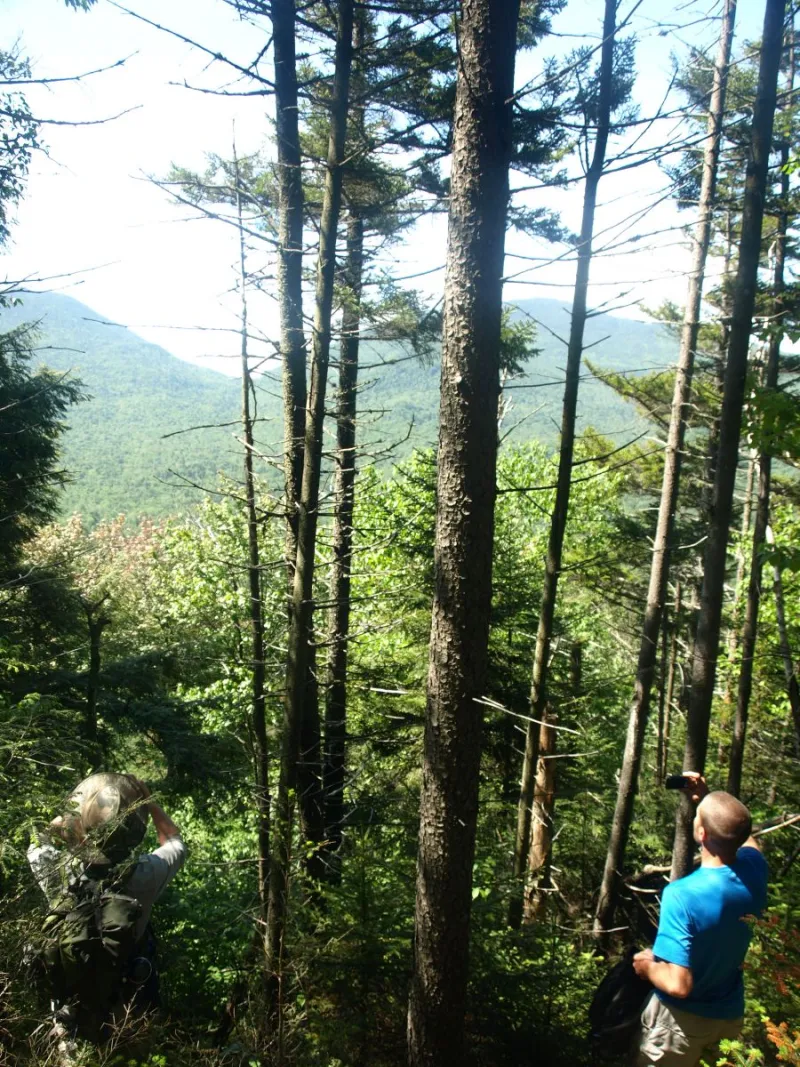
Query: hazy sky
(90, 208)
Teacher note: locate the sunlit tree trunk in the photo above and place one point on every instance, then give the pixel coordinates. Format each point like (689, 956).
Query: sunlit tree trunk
(706, 646)
(663, 747)
(662, 542)
(558, 520)
(344, 496)
(662, 694)
(290, 262)
(257, 668)
(750, 626)
(301, 612)
(741, 568)
(470, 386)
(539, 882)
(293, 356)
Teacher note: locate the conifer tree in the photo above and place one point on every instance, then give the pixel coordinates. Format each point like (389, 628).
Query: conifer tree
(659, 570)
(706, 645)
(766, 446)
(470, 382)
(598, 116)
(300, 620)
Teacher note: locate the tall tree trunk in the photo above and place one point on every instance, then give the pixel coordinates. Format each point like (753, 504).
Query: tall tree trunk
(706, 645)
(290, 263)
(310, 798)
(726, 719)
(792, 687)
(558, 521)
(301, 613)
(712, 443)
(662, 694)
(741, 565)
(750, 627)
(470, 386)
(344, 496)
(257, 668)
(540, 855)
(662, 542)
(293, 357)
(673, 664)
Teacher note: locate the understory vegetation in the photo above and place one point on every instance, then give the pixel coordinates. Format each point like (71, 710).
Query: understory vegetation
(411, 684)
(173, 702)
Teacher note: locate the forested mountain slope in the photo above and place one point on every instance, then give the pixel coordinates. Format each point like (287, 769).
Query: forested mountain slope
(115, 449)
(121, 461)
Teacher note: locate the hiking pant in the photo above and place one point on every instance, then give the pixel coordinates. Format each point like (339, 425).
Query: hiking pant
(669, 1037)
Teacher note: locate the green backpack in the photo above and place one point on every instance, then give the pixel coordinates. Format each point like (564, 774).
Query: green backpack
(88, 941)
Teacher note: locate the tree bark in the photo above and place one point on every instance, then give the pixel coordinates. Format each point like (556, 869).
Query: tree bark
(558, 521)
(741, 564)
(293, 357)
(723, 754)
(257, 669)
(301, 613)
(673, 663)
(706, 645)
(540, 855)
(662, 542)
(310, 798)
(290, 263)
(470, 386)
(750, 626)
(662, 695)
(712, 443)
(344, 497)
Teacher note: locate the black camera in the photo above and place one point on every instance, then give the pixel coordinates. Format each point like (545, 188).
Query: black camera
(676, 781)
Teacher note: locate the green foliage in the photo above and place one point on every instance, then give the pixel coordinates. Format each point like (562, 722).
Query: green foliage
(115, 452)
(773, 422)
(19, 137)
(34, 405)
(516, 344)
(120, 462)
(173, 689)
(174, 706)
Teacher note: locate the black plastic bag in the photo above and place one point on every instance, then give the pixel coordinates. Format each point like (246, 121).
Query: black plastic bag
(617, 1006)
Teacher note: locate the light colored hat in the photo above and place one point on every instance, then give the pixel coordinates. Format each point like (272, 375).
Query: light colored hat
(113, 813)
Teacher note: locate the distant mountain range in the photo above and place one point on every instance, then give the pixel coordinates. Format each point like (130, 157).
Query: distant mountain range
(122, 460)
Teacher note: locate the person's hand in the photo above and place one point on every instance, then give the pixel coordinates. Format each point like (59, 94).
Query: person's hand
(642, 961)
(696, 787)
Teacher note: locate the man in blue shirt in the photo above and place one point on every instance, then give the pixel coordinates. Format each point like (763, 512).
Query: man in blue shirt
(696, 962)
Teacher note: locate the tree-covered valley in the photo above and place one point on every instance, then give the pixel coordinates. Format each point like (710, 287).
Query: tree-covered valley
(404, 624)
(153, 428)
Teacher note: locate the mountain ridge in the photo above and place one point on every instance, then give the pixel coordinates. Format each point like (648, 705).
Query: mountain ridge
(131, 448)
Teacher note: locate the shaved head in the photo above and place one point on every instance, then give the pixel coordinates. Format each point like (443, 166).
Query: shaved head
(726, 821)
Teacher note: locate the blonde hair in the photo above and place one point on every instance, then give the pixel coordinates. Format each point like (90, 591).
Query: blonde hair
(726, 821)
(112, 813)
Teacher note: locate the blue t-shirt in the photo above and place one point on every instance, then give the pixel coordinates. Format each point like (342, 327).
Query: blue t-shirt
(702, 927)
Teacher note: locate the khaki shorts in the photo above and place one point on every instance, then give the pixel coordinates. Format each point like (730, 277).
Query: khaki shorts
(672, 1038)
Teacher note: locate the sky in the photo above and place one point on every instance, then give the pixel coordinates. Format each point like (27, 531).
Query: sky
(95, 227)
